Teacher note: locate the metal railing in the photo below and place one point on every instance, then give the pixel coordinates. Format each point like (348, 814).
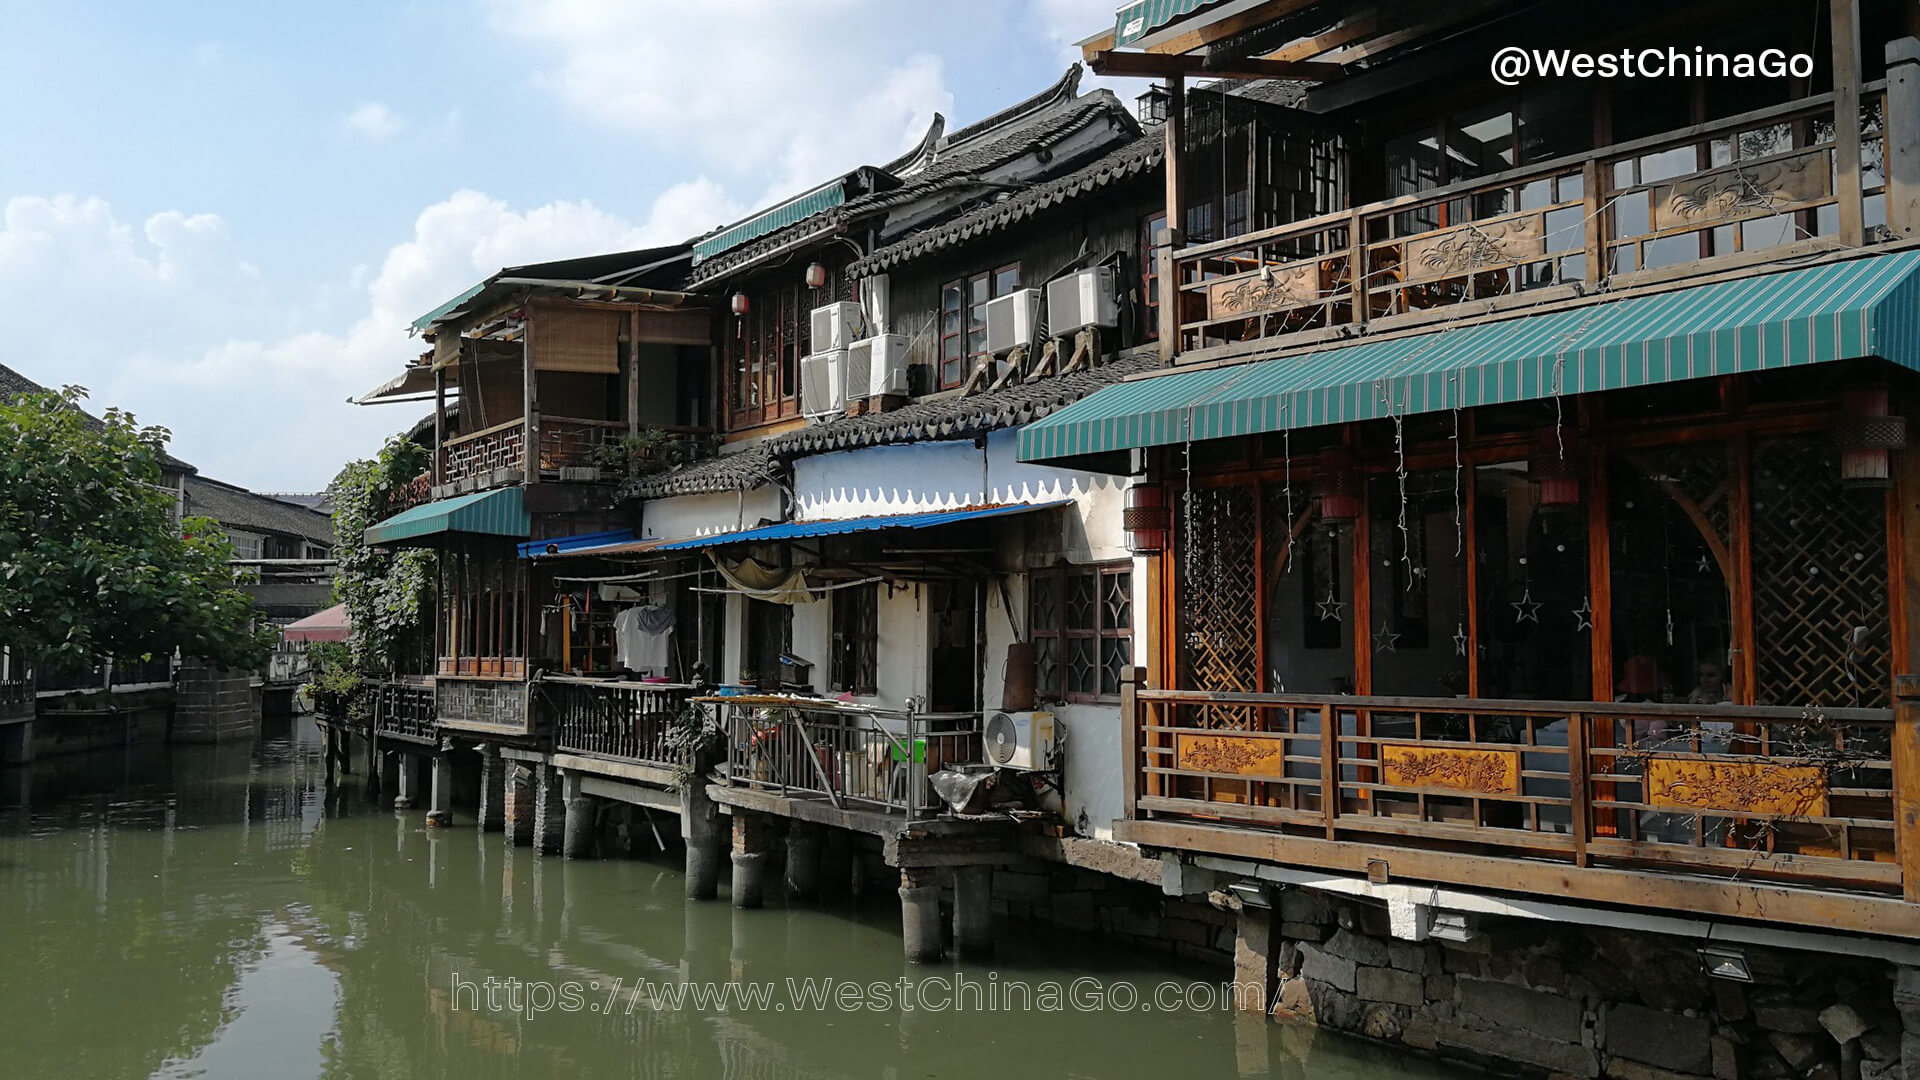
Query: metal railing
(1786, 794)
(404, 708)
(1758, 187)
(629, 721)
(108, 674)
(16, 696)
(847, 754)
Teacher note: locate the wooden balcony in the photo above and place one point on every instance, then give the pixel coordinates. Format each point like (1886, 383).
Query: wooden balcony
(1760, 187)
(620, 721)
(1734, 810)
(851, 756)
(496, 456)
(485, 458)
(404, 709)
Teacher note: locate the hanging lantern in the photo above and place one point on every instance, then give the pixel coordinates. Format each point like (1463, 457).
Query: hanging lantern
(1868, 436)
(1146, 518)
(816, 275)
(739, 303)
(1337, 481)
(1554, 464)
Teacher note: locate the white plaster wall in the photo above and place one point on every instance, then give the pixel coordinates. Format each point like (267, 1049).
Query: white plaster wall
(683, 516)
(888, 480)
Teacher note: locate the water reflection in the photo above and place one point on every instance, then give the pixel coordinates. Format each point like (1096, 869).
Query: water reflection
(217, 912)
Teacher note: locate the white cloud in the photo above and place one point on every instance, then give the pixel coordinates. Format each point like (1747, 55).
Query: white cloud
(166, 319)
(770, 93)
(375, 121)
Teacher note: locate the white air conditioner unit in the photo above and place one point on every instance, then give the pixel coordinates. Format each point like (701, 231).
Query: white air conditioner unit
(823, 383)
(837, 326)
(877, 367)
(1020, 740)
(1081, 300)
(1012, 320)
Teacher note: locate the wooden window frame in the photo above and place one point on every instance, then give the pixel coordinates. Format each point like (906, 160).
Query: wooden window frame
(854, 666)
(1150, 227)
(969, 357)
(1062, 576)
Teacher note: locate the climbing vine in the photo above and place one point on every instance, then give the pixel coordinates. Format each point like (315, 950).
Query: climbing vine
(387, 593)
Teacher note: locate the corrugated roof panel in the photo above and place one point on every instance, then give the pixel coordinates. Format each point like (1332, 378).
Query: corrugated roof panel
(794, 530)
(787, 213)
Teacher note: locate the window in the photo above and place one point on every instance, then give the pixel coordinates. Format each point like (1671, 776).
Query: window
(963, 320)
(856, 636)
(483, 596)
(1151, 236)
(1081, 620)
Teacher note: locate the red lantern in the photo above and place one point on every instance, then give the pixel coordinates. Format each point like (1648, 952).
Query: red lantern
(1146, 518)
(1868, 436)
(739, 303)
(816, 275)
(1338, 483)
(1554, 464)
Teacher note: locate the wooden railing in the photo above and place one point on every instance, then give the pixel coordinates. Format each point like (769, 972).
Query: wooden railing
(567, 443)
(484, 454)
(403, 708)
(629, 721)
(1737, 791)
(482, 667)
(849, 755)
(1760, 186)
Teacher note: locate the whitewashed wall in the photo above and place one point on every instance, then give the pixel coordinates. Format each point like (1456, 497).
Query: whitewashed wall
(683, 516)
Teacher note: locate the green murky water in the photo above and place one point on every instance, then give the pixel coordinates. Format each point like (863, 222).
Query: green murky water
(203, 912)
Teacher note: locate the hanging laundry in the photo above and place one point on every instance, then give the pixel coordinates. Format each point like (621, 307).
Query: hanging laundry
(641, 636)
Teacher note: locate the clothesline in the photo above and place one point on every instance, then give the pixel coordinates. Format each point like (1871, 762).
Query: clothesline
(808, 588)
(618, 579)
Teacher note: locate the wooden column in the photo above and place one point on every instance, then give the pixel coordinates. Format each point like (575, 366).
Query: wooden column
(633, 372)
(439, 425)
(1906, 783)
(1902, 129)
(1130, 680)
(1740, 579)
(1174, 131)
(1845, 28)
(530, 418)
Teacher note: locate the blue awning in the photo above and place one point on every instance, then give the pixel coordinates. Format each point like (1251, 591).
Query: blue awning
(795, 530)
(579, 544)
(489, 513)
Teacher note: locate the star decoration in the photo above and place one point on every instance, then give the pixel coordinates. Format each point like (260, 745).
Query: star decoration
(1526, 609)
(1704, 564)
(1583, 615)
(1460, 641)
(1330, 608)
(1386, 640)
(1420, 573)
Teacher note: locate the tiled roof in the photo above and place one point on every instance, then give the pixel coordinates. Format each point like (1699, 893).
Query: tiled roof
(742, 470)
(238, 508)
(960, 417)
(13, 384)
(1143, 154)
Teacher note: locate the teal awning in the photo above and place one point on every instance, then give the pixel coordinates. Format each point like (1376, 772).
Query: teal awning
(489, 513)
(1142, 17)
(798, 208)
(1838, 311)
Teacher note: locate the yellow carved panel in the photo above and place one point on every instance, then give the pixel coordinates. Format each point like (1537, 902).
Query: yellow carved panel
(1492, 245)
(1471, 772)
(1736, 787)
(1235, 755)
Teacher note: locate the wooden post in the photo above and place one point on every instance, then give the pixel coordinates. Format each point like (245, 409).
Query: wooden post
(439, 425)
(1845, 27)
(1174, 131)
(1902, 127)
(1592, 199)
(1740, 581)
(633, 372)
(1357, 260)
(530, 417)
(1130, 741)
(1579, 789)
(1906, 783)
(1329, 768)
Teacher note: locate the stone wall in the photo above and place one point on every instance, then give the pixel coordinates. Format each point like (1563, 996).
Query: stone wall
(1135, 914)
(212, 705)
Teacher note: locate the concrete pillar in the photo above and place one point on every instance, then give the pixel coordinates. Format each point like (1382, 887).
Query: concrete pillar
(492, 812)
(440, 797)
(803, 860)
(577, 842)
(1255, 960)
(836, 864)
(549, 822)
(16, 743)
(706, 839)
(752, 834)
(402, 782)
(516, 803)
(973, 911)
(920, 913)
(330, 741)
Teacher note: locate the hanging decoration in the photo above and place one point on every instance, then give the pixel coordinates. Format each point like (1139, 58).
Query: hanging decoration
(1146, 518)
(1868, 436)
(1460, 640)
(1553, 464)
(739, 303)
(1385, 640)
(1337, 483)
(816, 275)
(1331, 607)
(1583, 615)
(1526, 609)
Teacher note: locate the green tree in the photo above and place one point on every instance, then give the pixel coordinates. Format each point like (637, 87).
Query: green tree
(386, 592)
(91, 563)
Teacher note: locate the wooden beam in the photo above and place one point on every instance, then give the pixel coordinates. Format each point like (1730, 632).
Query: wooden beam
(439, 426)
(1153, 65)
(1094, 46)
(1174, 234)
(1845, 26)
(633, 373)
(1345, 32)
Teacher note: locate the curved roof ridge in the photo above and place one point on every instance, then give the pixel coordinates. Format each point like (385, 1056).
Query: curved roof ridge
(1066, 89)
(923, 152)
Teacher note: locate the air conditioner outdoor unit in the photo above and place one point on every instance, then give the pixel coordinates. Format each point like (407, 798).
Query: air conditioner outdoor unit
(1020, 740)
(1080, 300)
(837, 326)
(1012, 320)
(877, 366)
(823, 383)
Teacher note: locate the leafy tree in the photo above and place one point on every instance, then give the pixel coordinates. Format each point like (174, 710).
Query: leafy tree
(91, 563)
(386, 592)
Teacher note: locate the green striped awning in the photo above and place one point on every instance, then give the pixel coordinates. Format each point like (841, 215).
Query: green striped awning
(491, 513)
(1142, 17)
(1838, 311)
(798, 208)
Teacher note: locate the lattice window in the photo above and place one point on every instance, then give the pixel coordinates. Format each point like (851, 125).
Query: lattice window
(1081, 619)
(1220, 601)
(1820, 594)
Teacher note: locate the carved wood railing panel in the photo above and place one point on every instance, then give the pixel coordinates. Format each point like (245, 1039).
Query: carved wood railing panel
(405, 709)
(1220, 594)
(485, 453)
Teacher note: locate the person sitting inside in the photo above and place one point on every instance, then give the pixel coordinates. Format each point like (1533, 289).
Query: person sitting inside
(1711, 687)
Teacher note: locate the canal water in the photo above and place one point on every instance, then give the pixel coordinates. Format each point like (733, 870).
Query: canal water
(216, 912)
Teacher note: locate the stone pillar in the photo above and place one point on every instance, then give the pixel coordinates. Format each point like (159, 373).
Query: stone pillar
(1906, 999)
(836, 864)
(803, 860)
(490, 813)
(440, 797)
(706, 838)
(330, 738)
(402, 782)
(577, 842)
(1255, 960)
(549, 823)
(973, 911)
(752, 834)
(516, 803)
(212, 705)
(920, 913)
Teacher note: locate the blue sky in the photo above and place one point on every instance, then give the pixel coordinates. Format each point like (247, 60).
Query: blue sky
(221, 216)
